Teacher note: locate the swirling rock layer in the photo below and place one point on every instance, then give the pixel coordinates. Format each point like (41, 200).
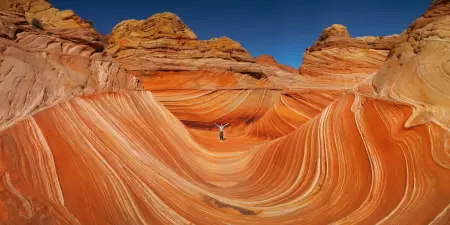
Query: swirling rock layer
(299, 149)
(64, 24)
(164, 35)
(163, 44)
(96, 165)
(418, 73)
(39, 69)
(335, 53)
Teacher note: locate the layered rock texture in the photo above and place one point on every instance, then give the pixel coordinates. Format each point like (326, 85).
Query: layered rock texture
(164, 35)
(40, 67)
(82, 143)
(163, 45)
(335, 53)
(269, 60)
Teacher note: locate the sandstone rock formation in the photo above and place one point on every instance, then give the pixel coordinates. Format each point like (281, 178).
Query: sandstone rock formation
(163, 44)
(335, 53)
(300, 148)
(269, 60)
(418, 73)
(38, 69)
(164, 35)
(166, 55)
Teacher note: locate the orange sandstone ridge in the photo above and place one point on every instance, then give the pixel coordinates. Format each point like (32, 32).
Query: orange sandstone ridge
(269, 60)
(40, 68)
(166, 55)
(125, 135)
(335, 53)
(163, 46)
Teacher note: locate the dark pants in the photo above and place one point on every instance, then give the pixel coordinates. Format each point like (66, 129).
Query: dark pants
(221, 135)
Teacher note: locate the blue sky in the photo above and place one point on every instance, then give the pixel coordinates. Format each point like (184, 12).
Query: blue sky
(281, 28)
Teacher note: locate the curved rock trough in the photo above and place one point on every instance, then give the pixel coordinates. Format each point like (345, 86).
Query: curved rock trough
(120, 129)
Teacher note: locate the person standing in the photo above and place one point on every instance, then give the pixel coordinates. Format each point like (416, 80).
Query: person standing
(221, 127)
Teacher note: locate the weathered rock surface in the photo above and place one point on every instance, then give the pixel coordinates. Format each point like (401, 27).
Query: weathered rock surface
(269, 60)
(165, 54)
(164, 35)
(418, 73)
(299, 149)
(11, 23)
(335, 53)
(163, 43)
(64, 24)
(38, 70)
(118, 150)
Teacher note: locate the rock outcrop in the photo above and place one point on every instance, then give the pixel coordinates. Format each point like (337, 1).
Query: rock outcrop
(163, 44)
(63, 24)
(164, 35)
(418, 72)
(335, 53)
(269, 60)
(39, 68)
(12, 22)
(299, 149)
(165, 54)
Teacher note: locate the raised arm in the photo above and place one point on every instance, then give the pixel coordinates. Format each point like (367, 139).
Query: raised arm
(226, 124)
(216, 124)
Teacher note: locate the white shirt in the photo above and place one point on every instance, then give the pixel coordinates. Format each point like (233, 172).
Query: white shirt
(221, 127)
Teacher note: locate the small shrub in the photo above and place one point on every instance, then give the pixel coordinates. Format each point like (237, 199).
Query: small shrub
(323, 37)
(90, 22)
(99, 49)
(403, 32)
(36, 23)
(49, 33)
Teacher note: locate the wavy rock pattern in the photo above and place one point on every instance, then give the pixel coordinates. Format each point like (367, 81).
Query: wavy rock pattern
(336, 54)
(163, 172)
(269, 60)
(261, 113)
(163, 45)
(35, 78)
(38, 70)
(291, 110)
(300, 149)
(164, 35)
(63, 24)
(418, 73)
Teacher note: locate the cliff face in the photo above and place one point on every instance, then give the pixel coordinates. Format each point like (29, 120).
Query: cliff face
(418, 72)
(65, 24)
(41, 67)
(164, 35)
(269, 60)
(164, 43)
(166, 55)
(335, 53)
(81, 143)
(163, 46)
